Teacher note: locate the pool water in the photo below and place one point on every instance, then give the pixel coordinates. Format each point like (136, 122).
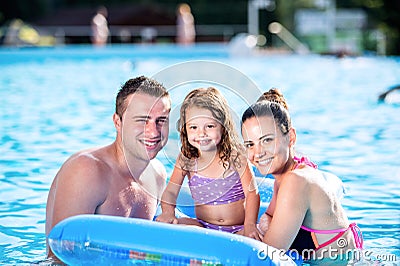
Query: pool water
(56, 101)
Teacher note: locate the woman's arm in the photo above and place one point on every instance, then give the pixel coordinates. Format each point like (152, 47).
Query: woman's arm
(292, 204)
(252, 204)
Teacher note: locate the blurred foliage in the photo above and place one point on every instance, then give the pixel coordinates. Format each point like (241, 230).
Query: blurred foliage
(383, 14)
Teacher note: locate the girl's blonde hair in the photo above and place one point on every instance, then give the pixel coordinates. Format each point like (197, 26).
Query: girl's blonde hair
(229, 148)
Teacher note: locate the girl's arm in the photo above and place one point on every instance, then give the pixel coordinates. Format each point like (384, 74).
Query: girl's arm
(252, 204)
(292, 203)
(170, 194)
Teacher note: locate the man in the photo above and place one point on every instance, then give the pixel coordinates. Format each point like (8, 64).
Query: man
(123, 178)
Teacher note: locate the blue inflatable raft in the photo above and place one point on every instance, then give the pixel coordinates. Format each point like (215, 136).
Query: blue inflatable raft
(109, 240)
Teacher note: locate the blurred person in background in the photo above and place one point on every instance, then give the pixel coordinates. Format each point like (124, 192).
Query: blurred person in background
(99, 26)
(185, 29)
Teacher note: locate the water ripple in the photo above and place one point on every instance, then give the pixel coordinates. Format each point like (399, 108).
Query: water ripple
(65, 105)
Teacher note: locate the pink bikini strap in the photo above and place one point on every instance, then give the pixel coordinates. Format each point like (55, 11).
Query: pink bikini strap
(304, 160)
(339, 232)
(334, 231)
(358, 238)
(330, 241)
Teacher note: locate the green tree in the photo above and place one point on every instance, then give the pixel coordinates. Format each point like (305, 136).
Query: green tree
(383, 15)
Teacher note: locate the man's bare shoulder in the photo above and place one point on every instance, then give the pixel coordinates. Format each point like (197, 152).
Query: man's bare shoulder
(89, 163)
(83, 157)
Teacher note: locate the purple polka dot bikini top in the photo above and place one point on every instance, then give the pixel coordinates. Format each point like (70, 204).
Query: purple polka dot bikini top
(216, 191)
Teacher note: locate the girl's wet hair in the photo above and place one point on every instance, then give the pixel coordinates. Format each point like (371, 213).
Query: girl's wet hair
(229, 148)
(269, 109)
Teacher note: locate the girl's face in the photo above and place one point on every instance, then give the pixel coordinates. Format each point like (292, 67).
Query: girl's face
(267, 148)
(203, 131)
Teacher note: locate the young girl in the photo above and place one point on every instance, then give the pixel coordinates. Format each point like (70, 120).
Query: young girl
(212, 158)
(304, 214)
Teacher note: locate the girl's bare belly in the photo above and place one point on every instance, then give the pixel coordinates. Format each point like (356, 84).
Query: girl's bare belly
(224, 214)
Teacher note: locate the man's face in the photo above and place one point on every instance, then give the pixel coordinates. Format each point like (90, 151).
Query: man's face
(145, 126)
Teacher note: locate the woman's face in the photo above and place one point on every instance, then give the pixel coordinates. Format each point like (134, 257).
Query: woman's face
(267, 148)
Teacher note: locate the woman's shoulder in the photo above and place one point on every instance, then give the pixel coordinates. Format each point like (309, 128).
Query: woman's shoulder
(309, 181)
(298, 179)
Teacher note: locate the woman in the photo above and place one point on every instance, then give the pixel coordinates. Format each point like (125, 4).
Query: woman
(304, 214)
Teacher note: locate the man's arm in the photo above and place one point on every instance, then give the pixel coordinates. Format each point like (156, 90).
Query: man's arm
(79, 188)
